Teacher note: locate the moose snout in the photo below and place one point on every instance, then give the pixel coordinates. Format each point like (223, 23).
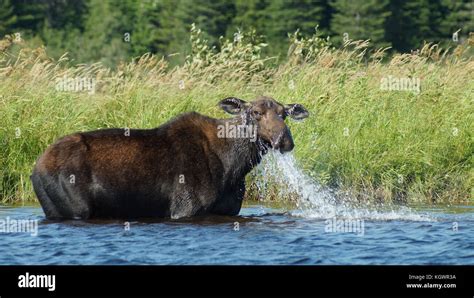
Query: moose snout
(283, 141)
(287, 145)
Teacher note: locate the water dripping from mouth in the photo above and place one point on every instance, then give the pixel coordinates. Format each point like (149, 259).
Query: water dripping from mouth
(281, 173)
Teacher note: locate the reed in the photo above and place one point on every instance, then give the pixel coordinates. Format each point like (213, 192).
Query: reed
(382, 127)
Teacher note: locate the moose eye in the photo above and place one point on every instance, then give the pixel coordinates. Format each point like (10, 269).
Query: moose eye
(257, 113)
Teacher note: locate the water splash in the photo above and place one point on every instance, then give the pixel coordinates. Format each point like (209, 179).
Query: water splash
(314, 201)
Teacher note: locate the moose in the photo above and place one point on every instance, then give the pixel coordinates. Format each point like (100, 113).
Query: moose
(185, 167)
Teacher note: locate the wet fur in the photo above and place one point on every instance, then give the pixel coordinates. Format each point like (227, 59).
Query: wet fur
(179, 169)
(119, 176)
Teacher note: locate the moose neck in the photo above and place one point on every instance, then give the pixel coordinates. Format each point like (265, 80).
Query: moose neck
(243, 153)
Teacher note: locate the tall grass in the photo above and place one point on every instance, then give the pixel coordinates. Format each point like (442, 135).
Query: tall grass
(377, 144)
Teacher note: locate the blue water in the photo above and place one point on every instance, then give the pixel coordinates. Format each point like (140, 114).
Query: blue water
(263, 236)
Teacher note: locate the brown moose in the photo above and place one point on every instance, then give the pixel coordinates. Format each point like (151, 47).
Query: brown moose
(182, 168)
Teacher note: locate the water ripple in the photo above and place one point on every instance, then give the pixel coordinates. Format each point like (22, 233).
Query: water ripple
(265, 236)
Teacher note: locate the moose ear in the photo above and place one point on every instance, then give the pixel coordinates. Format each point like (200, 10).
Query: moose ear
(233, 105)
(296, 111)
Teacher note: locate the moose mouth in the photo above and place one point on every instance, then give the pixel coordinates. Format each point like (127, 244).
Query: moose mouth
(265, 146)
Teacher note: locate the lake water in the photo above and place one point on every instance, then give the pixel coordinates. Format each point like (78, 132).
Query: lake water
(261, 235)
(318, 229)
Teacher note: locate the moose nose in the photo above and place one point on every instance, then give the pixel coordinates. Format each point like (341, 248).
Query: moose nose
(286, 143)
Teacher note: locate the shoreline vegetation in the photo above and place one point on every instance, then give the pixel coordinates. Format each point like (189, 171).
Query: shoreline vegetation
(383, 127)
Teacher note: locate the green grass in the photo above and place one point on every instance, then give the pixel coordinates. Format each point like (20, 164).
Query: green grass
(379, 145)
